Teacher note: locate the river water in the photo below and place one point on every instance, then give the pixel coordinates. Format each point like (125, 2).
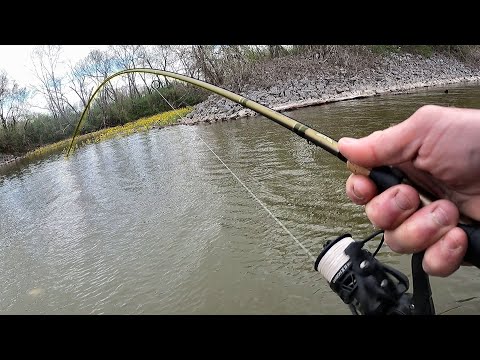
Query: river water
(155, 223)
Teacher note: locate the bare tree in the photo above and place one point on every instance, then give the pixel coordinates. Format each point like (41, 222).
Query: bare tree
(127, 57)
(12, 102)
(160, 57)
(46, 62)
(276, 51)
(79, 81)
(223, 64)
(206, 60)
(144, 60)
(96, 67)
(183, 56)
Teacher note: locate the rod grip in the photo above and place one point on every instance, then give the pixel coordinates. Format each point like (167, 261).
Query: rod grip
(386, 177)
(473, 251)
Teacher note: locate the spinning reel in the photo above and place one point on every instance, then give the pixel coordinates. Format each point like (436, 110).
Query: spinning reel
(369, 287)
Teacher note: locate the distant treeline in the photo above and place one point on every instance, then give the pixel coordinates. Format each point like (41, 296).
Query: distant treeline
(66, 93)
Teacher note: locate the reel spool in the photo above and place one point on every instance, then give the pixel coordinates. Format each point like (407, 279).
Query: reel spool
(366, 285)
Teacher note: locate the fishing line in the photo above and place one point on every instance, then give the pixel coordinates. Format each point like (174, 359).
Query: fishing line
(384, 177)
(243, 184)
(362, 282)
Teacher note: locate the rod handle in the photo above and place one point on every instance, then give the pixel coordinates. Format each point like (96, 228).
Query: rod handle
(385, 177)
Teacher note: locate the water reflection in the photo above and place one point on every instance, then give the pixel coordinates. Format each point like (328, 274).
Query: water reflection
(154, 223)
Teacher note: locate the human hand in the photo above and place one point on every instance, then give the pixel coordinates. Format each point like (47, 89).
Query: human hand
(439, 149)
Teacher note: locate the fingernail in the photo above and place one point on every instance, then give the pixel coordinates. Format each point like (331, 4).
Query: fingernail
(359, 197)
(453, 245)
(440, 216)
(402, 201)
(347, 140)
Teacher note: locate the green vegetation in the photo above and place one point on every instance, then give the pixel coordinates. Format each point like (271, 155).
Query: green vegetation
(40, 129)
(143, 124)
(229, 66)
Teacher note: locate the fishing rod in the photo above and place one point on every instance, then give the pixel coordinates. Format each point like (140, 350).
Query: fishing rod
(352, 272)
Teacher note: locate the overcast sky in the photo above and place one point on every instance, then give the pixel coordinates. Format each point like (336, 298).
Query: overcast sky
(17, 62)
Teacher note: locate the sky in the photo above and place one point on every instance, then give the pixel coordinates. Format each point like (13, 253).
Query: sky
(16, 60)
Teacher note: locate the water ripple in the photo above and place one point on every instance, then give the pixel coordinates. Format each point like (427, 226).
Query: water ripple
(153, 223)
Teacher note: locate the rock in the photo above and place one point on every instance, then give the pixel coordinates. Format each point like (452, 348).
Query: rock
(295, 82)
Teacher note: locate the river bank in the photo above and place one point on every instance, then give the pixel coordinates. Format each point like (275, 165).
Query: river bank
(298, 81)
(163, 119)
(6, 159)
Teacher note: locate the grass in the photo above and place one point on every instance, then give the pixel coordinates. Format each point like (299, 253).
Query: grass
(142, 124)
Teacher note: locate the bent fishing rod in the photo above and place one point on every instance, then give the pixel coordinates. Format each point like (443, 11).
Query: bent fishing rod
(334, 263)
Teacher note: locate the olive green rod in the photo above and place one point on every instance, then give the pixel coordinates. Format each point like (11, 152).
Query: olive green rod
(302, 130)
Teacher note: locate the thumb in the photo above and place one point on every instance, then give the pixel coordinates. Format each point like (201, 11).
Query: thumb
(391, 146)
